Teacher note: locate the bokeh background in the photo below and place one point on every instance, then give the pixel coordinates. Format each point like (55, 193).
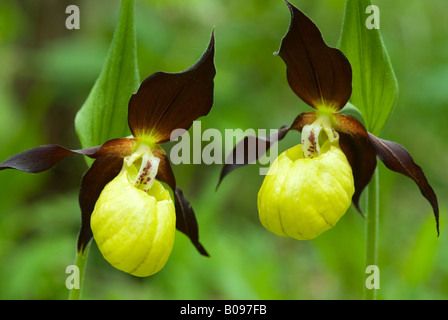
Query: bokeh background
(47, 71)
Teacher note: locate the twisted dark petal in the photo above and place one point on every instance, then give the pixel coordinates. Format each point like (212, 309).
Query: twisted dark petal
(186, 220)
(250, 149)
(318, 74)
(398, 159)
(42, 158)
(102, 171)
(108, 163)
(185, 217)
(354, 142)
(168, 101)
(164, 172)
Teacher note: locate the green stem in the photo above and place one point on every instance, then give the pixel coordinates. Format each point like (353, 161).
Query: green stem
(81, 259)
(372, 229)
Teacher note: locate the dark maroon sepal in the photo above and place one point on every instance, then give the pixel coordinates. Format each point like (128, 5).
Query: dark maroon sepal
(250, 149)
(42, 158)
(102, 171)
(168, 101)
(320, 75)
(164, 172)
(186, 220)
(398, 159)
(185, 217)
(354, 142)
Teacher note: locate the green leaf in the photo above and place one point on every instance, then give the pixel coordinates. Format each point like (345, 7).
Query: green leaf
(104, 114)
(375, 87)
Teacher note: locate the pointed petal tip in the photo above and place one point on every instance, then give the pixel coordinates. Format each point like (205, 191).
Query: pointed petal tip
(398, 159)
(318, 74)
(202, 250)
(165, 101)
(186, 220)
(358, 209)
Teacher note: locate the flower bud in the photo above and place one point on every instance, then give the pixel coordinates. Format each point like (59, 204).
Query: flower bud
(134, 228)
(302, 197)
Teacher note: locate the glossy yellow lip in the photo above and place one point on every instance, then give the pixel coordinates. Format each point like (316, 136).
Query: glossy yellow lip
(134, 229)
(303, 197)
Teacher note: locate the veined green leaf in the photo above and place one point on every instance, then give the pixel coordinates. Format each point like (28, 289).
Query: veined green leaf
(375, 87)
(104, 114)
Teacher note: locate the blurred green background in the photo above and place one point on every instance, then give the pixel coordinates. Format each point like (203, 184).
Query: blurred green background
(47, 72)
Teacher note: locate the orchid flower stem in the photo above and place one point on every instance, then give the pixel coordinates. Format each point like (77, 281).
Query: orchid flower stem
(372, 230)
(81, 259)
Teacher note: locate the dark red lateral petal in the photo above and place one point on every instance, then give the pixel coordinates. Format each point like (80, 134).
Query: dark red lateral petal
(102, 171)
(354, 142)
(168, 101)
(302, 120)
(120, 147)
(250, 149)
(241, 155)
(164, 172)
(186, 220)
(398, 159)
(320, 75)
(42, 158)
(185, 217)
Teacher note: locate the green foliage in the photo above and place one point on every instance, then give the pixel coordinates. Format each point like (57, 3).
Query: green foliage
(43, 75)
(375, 87)
(104, 114)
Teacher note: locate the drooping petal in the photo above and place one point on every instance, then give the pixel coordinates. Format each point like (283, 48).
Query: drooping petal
(168, 101)
(185, 217)
(320, 75)
(186, 220)
(354, 142)
(250, 149)
(164, 172)
(108, 163)
(42, 158)
(102, 171)
(398, 159)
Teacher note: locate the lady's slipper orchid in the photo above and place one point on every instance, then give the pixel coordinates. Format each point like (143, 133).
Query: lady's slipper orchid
(306, 189)
(131, 214)
(301, 196)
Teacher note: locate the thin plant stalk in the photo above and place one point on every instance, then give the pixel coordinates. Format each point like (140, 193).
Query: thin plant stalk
(81, 260)
(372, 230)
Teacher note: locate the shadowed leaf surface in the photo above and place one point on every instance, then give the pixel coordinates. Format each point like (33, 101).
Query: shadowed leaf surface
(375, 87)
